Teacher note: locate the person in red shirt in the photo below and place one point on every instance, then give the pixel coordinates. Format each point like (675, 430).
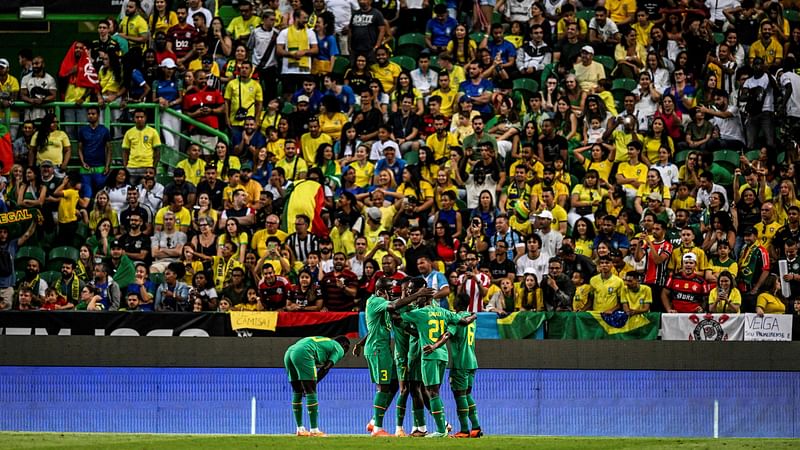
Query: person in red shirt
(204, 104)
(389, 270)
(686, 291)
(181, 37)
(339, 287)
(272, 290)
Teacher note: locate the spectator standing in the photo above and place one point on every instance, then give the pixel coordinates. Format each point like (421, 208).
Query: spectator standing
(94, 151)
(339, 286)
(37, 88)
(141, 146)
(296, 45)
(367, 30)
(263, 41)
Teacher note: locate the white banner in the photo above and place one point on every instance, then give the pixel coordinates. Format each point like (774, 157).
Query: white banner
(702, 327)
(770, 327)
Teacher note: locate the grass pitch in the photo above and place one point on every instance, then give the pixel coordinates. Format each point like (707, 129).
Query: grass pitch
(85, 441)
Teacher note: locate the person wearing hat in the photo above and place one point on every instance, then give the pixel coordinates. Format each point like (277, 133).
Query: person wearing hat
(686, 291)
(551, 240)
(655, 205)
(587, 70)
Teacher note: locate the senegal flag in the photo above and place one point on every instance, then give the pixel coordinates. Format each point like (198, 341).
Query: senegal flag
(6, 150)
(305, 197)
(521, 324)
(595, 325)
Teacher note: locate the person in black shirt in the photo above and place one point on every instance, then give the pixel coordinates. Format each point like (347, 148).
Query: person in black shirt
(417, 248)
(405, 125)
(212, 186)
(551, 145)
(368, 119)
(501, 267)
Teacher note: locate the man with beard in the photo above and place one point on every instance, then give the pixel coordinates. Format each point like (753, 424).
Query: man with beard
(37, 88)
(251, 187)
(133, 28)
(212, 186)
(417, 248)
(33, 281)
(388, 270)
(180, 185)
(135, 207)
(135, 242)
(557, 287)
(788, 232)
(685, 291)
(367, 29)
(247, 144)
(69, 285)
(478, 90)
(272, 289)
(296, 45)
(203, 103)
(339, 287)
(754, 267)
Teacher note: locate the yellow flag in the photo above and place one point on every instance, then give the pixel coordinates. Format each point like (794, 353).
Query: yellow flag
(254, 320)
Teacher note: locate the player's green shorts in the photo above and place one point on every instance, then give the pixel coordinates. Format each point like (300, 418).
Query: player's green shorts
(381, 366)
(433, 371)
(300, 365)
(462, 379)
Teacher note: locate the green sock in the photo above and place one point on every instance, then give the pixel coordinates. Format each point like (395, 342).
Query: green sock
(379, 404)
(297, 408)
(473, 412)
(313, 409)
(400, 404)
(419, 417)
(463, 412)
(437, 409)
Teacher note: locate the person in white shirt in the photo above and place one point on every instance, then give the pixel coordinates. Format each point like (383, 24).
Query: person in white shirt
(759, 92)
(551, 240)
(534, 260)
(725, 117)
(423, 77)
(196, 6)
(790, 82)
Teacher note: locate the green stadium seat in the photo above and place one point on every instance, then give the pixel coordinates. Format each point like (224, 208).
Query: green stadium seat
(288, 108)
(727, 158)
(722, 175)
(340, 65)
(585, 14)
(608, 63)
(752, 155)
(30, 252)
(50, 276)
(781, 157)
(477, 36)
(623, 84)
(411, 157)
(171, 157)
(410, 44)
(157, 278)
(791, 15)
(60, 254)
(719, 37)
(497, 17)
(680, 157)
(526, 86)
(435, 63)
(405, 62)
(548, 69)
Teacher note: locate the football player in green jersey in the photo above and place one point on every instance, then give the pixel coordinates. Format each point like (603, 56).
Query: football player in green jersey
(307, 361)
(462, 372)
(378, 351)
(431, 322)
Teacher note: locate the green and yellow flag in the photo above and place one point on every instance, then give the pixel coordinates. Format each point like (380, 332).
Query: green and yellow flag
(595, 325)
(521, 324)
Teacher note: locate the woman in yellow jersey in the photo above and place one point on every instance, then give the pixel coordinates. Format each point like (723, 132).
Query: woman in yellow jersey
(653, 184)
(403, 86)
(601, 159)
(345, 147)
(528, 295)
(50, 144)
(224, 161)
(461, 46)
(162, 18)
(233, 234)
(786, 198)
(428, 169)
(413, 186)
(102, 210)
(331, 119)
(190, 262)
(275, 145)
(725, 297)
(586, 198)
(443, 184)
(111, 81)
(769, 300)
(656, 138)
(583, 235)
(365, 169)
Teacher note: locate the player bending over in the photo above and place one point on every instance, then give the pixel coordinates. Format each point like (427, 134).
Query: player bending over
(302, 360)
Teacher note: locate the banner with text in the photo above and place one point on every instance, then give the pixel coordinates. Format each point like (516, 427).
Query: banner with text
(726, 327)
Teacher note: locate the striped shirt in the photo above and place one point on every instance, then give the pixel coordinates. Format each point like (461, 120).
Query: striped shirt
(301, 247)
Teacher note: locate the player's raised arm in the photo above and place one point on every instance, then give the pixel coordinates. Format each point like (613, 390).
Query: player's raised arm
(424, 292)
(428, 349)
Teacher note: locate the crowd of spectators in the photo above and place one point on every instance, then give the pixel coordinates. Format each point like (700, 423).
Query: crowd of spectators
(602, 155)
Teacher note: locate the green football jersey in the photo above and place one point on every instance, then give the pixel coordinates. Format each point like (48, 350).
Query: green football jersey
(378, 325)
(324, 349)
(462, 344)
(432, 322)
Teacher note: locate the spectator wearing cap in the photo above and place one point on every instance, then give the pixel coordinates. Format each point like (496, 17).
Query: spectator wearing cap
(299, 118)
(168, 94)
(247, 144)
(606, 287)
(551, 240)
(686, 291)
(655, 205)
(296, 45)
(588, 71)
(439, 29)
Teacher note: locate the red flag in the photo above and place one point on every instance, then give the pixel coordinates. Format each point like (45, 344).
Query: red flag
(86, 75)
(6, 150)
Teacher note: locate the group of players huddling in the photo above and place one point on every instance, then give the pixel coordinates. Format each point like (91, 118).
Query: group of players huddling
(416, 367)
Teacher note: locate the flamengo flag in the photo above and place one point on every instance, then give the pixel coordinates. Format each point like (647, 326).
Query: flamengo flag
(702, 327)
(86, 75)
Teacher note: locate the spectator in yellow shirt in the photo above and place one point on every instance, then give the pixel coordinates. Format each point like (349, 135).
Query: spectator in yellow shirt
(384, 70)
(244, 24)
(141, 146)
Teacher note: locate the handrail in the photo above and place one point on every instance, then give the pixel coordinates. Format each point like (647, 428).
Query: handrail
(107, 107)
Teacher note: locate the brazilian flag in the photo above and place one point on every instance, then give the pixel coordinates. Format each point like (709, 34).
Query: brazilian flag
(596, 325)
(521, 324)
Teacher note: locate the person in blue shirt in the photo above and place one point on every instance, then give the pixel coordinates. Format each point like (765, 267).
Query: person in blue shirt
(390, 161)
(498, 46)
(168, 92)
(439, 30)
(247, 144)
(94, 150)
(478, 90)
(434, 280)
(310, 90)
(334, 86)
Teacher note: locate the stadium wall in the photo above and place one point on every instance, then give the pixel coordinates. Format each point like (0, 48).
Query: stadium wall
(531, 387)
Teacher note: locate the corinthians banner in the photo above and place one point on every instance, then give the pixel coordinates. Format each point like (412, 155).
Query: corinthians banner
(725, 327)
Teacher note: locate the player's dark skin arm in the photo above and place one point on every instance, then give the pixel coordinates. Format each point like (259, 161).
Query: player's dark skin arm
(359, 345)
(428, 349)
(324, 370)
(397, 304)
